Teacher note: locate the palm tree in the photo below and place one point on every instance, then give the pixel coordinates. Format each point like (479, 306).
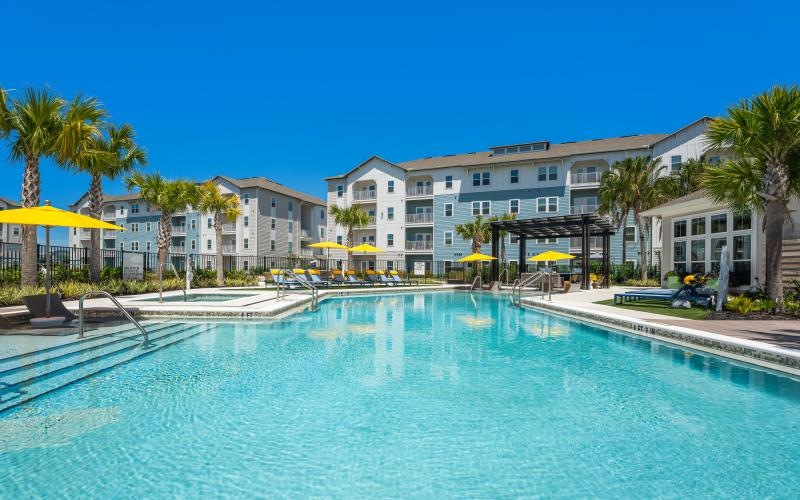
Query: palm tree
(41, 124)
(478, 231)
(169, 196)
(210, 199)
(502, 235)
(108, 156)
(638, 185)
(688, 179)
(350, 217)
(764, 134)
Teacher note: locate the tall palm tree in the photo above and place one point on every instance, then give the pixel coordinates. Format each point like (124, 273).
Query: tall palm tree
(210, 199)
(688, 179)
(41, 124)
(502, 234)
(764, 133)
(169, 196)
(478, 231)
(108, 156)
(350, 217)
(639, 185)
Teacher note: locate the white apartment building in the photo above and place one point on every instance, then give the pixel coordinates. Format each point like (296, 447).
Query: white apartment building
(10, 234)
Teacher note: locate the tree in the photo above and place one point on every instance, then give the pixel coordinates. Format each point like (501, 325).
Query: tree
(41, 124)
(350, 217)
(764, 134)
(633, 185)
(502, 234)
(108, 156)
(169, 196)
(688, 179)
(211, 200)
(478, 231)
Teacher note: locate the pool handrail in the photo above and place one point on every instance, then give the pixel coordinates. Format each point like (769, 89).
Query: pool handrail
(145, 343)
(306, 284)
(161, 281)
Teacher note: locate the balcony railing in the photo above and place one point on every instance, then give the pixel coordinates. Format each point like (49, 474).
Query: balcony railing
(229, 249)
(595, 242)
(229, 227)
(177, 249)
(305, 233)
(371, 221)
(179, 213)
(179, 230)
(306, 252)
(582, 209)
(412, 246)
(109, 216)
(419, 191)
(364, 194)
(109, 233)
(424, 218)
(586, 177)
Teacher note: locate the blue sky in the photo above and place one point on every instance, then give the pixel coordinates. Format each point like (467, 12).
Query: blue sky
(296, 92)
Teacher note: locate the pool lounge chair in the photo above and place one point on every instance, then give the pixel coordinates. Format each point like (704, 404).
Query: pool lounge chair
(686, 292)
(395, 276)
(351, 279)
(280, 279)
(316, 280)
(378, 279)
(37, 306)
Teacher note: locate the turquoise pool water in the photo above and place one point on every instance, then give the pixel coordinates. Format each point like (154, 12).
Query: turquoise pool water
(202, 297)
(426, 396)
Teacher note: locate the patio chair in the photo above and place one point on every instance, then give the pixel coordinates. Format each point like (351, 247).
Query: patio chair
(5, 324)
(686, 292)
(280, 279)
(316, 280)
(395, 276)
(37, 306)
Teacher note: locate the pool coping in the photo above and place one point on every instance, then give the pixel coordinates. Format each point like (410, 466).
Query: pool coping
(764, 355)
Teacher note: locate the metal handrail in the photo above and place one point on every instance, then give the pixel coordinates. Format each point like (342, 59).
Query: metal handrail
(304, 282)
(504, 270)
(145, 343)
(477, 278)
(516, 289)
(161, 281)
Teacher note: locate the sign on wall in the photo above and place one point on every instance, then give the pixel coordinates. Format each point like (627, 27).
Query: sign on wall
(419, 269)
(132, 266)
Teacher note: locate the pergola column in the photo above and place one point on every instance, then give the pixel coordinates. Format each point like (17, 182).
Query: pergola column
(585, 249)
(521, 265)
(607, 258)
(495, 244)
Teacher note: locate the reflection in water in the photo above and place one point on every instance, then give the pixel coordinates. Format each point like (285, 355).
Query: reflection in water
(55, 429)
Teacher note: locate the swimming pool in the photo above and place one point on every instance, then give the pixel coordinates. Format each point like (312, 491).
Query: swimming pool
(427, 395)
(201, 297)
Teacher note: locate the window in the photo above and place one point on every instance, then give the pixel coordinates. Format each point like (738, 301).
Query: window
(476, 208)
(390, 213)
(698, 255)
(135, 209)
(741, 222)
(679, 256)
(514, 176)
(546, 241)
(542, 174)
(390, 186)
(272, 223)
(514, 239)
(135, 227)
(247, 198)
(549, 204)
(121, 210)
(716, 252)
(208, 244)
(246, 243)
(272, 245)
(208, 264)
(698, 226)
(513, 206)
(193, 224)
(245, 265)
(448, 238)
(339, 239)
(193, 245)
(147, 227)
(630, 234)
(339, 191)
(448, 209)
(448, 182)
(679, 229)
(714, 160)
(135, 246)
(476, 179)
(290, 247)
(291, 227)
(15, 230)
(741, 259)
(719, 223)
(486, 207)
(390, 240)
(676, 163)
(291, 206)
(552, 173)
(274, 202)
(246, 221)
(322, 214)
(121, 244)
(210, 223)
(486, 178)
(148, 245)
(322, 233)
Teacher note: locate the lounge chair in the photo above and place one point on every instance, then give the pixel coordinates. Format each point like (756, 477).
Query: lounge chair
(395, 276)
(280, 279)
(316, 280)
(37, 306)
(351, 279)
(383, 280)
(686, 292)
(5, 324)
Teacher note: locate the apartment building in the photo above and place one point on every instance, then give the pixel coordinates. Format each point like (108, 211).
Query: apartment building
(10, 234)
(415, 205)
(276, 221)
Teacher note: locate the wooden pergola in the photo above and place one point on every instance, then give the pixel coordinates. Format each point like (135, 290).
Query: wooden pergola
(581, 226)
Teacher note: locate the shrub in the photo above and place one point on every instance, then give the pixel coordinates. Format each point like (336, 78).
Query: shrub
(652, 282)
(744, 304)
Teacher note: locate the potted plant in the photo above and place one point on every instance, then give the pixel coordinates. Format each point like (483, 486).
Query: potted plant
(673, 280)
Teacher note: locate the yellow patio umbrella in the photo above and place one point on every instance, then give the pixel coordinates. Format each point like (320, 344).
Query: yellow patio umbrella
(327, 245)
(551, 255)
(365, 248)
(476, 257)
(48, 217)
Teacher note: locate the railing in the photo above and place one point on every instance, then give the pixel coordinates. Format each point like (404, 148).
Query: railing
(229, 249)
(419, 245)
(179, 213)
(304, 282)
(161, 280)
(595, 242)
(145, 343)
(229, 227)
(181, 250)
(109, 216)
(500, 276)
(516, 288)
(306, 252)
(178, 230)
(419, 191)
(364, 194)
(424, 218)
(586, 177)
(305, 233)
(478, 280)
(582, 209)
(109, 233)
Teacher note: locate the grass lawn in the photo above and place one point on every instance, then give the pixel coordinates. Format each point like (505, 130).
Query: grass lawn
(660, 307)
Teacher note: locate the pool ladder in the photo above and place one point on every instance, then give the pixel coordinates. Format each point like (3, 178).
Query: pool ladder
(146, 339)
(516, 289)
(303, 282)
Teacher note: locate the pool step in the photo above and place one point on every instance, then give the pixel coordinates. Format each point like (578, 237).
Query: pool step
(77, 360)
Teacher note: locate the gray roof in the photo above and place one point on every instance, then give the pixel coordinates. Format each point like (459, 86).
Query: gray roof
(270, 185)
(695, 195)
(9, 202)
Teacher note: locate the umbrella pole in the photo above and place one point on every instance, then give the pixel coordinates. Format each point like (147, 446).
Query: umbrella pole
(47, 282)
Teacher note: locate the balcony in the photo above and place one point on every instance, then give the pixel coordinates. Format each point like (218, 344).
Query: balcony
(424, 218)
(585, 178)
(178, 230)
(177, 249)
(582, 209)
(419, 246)
(85, 234)
(305, 234)
(110, 216)
(306, 252)
(595, 243)
(371, 221)
(229, 228)
(365, 195)
(419, 191)
(229, 249)
(179, 213)
(109, 233)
